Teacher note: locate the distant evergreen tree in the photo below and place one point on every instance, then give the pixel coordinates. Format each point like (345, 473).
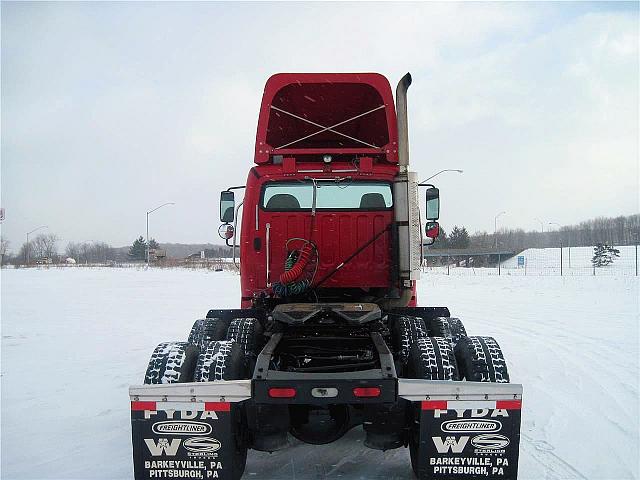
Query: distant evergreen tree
(598, 255)
(604, 255)
(459, 238)
(138, 251)
(611, 254)
(153, 245)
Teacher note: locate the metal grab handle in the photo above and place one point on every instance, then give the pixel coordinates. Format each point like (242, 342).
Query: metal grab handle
(235, 232)
(268, 241)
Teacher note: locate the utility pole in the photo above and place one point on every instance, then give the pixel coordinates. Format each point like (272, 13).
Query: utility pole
(27, 245)
(151, 211)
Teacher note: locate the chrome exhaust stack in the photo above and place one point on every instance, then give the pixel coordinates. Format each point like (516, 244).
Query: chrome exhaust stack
(402, 122)
(406, 212)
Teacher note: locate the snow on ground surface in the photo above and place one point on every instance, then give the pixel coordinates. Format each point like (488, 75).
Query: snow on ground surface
(73, 340)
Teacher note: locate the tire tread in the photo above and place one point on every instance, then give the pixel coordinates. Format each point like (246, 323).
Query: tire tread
(407, 330)
(432, 358)
(171, 362)
(481, 360)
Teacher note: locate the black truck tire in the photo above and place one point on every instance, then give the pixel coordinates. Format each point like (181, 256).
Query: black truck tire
(431, 358)
(406, 330)
(224, 360)
(457, 330)
(171, 362)
(220, 360)
(481, 360)
(247, 332)
(207, 330)
(439, 327)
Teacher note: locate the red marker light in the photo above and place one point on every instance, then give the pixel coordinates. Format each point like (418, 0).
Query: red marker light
(366, 392)
(282, 392)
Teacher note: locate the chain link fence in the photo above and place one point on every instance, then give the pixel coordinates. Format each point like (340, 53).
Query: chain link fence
(560, 261)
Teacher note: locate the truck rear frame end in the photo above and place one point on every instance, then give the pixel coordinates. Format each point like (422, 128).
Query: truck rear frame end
(461, 430)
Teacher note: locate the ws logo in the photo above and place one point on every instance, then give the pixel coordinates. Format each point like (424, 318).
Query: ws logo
(163, 446)
(450, 444)
(482, 442)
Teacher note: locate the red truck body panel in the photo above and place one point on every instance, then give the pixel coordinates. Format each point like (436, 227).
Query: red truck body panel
(336, 233)
(304, 116)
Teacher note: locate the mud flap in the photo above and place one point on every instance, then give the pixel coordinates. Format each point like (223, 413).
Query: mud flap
(469, 440)
(186, 439)
(465, 430)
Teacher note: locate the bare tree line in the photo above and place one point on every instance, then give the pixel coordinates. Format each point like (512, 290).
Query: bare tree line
(4, 249)
(622, 230)
(90, 252)
(44, 248)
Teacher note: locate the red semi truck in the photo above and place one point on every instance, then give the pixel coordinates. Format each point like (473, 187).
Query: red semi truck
(329, 335)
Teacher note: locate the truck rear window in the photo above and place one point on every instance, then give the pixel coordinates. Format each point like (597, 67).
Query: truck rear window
(288, 196)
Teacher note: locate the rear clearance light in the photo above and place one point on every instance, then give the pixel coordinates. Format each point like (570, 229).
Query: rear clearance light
(366, 392)
(282, 392)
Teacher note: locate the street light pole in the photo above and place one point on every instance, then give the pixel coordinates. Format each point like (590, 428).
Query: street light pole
(151, 211)
(441, 171)
(27, 245)
(495, 228)
(541, 224)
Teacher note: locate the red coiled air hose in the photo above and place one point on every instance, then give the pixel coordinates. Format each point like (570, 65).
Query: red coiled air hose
(291, 275)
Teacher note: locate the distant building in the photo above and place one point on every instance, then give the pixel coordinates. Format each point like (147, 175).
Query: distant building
(157, 253)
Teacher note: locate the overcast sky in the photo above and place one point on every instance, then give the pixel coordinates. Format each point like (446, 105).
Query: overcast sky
(110, 109)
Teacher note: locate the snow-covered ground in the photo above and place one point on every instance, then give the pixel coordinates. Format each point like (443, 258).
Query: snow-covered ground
(73, 340)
